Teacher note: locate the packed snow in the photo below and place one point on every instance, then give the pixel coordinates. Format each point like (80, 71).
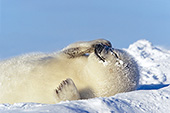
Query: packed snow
(152, 96)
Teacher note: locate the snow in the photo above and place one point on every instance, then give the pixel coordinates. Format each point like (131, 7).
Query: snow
(152, 96)
(153, 62)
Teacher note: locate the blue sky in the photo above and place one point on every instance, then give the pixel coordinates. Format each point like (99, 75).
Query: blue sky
(49, 25)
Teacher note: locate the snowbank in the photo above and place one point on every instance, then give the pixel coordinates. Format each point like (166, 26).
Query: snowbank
(153, 94)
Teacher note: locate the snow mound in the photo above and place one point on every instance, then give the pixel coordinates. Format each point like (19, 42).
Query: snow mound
(153, 95)
(153, 62)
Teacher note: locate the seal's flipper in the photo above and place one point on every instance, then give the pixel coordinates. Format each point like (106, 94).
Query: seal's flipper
(67, 91)
(81, 48)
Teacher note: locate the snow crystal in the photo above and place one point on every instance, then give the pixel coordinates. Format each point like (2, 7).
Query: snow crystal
(119, 62)
(105, 63)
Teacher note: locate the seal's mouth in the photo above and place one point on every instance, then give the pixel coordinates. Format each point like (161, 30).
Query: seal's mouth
(102, 50)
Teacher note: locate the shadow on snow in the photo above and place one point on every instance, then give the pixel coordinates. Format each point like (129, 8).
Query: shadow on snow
(152, 86)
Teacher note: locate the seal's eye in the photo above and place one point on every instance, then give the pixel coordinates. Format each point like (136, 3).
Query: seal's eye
(98, 51)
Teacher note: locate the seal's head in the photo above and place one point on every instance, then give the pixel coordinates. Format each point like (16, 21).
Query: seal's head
(114, 64)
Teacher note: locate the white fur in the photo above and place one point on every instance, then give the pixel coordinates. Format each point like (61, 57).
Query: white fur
(34, 77)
